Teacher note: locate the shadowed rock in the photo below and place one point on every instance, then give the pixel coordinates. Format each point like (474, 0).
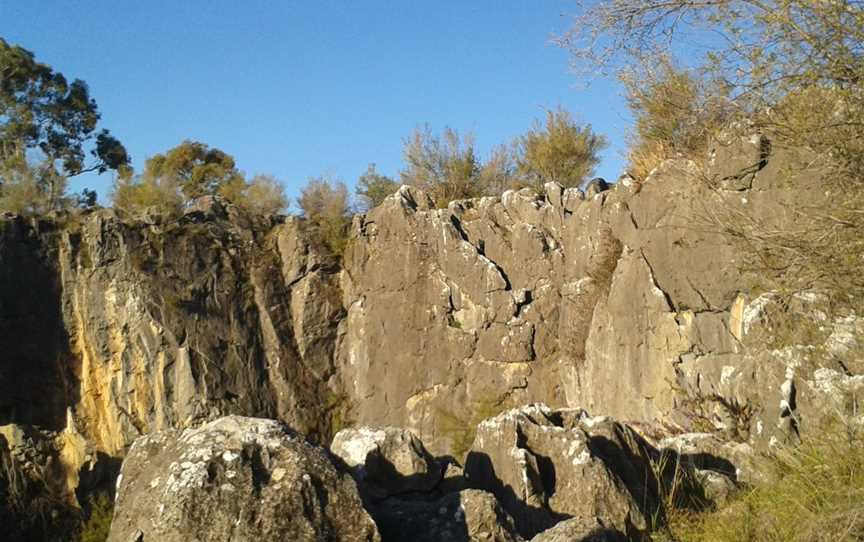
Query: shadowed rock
(546, 465)
(387, 461)
(470, 515)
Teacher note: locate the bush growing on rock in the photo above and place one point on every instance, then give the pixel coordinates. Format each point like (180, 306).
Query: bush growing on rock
(676, 113)
(189, 171)
(263, 195)
(446, 167)
(98, 523)
(325, 205)
(373, 187)
(559, 151)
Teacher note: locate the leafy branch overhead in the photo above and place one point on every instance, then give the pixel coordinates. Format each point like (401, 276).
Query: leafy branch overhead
(40, 110)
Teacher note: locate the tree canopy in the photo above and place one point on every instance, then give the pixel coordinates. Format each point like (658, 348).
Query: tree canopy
(48, 133)
(196, 168)
(41, 110)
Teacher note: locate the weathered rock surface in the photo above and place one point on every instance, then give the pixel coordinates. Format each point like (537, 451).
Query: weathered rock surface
(580, 530)
(387, 461)
(235, 478)
(470, 515)
(621, 303)
(546, 465)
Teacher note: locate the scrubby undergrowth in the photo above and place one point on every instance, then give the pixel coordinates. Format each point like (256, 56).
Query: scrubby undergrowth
(814, 491)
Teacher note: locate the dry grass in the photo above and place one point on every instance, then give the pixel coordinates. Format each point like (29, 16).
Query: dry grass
(815, 493)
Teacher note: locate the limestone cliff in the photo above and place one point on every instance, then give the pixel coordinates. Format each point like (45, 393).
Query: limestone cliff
(623, 303)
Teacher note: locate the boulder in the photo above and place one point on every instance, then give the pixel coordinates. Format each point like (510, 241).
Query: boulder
(546, 465)
(467, 516)
(580, 530)
(235, 478)
(387, 461)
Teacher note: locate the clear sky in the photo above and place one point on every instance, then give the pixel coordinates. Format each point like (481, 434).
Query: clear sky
(297, 89)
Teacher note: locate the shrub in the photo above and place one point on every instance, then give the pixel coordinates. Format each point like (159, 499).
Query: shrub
(97, 525)
(675, 113)
(134, 194)
(263, 195)
(324, 203)
(560, 150)
(499, 172)
(444, 167)
(373, 188)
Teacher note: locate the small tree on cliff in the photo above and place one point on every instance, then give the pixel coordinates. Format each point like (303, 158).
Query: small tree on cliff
(676, 113)
(373, 187)
(559, 150)
(324, 203)
(264, 195)
(446, 166)
(198, 170)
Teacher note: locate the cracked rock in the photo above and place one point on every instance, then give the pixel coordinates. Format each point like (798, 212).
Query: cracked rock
(235, 478)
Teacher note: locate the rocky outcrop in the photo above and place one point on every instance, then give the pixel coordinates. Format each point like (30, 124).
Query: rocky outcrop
(626, 303)
(387, 461)
(547, 465)
(235, 478)
(116, 329)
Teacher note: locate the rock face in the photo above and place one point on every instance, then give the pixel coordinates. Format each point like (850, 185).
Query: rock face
(387, 461)
(579, 530)
(613, 303)
(235, 478)
(546, 465)
(435, 319)
(119, 329)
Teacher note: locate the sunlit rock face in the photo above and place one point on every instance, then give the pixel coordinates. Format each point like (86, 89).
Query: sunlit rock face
(235, 478)
(622, 303)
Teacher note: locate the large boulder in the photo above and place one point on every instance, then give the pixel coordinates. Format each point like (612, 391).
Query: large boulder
(546, 465)
(235, 478)
(387, 461)
(470, 515)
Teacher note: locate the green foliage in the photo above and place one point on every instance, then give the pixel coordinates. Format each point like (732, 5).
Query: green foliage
(191, 170)
(499, 172)
(372, 187)
(560, 151)
(445, 167)
(324, 203)
(96, 526)
(46, 127)
(41, 110)
(134, 194)
(197, 169)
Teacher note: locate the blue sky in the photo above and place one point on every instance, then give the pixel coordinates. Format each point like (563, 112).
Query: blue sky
(297, 89)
